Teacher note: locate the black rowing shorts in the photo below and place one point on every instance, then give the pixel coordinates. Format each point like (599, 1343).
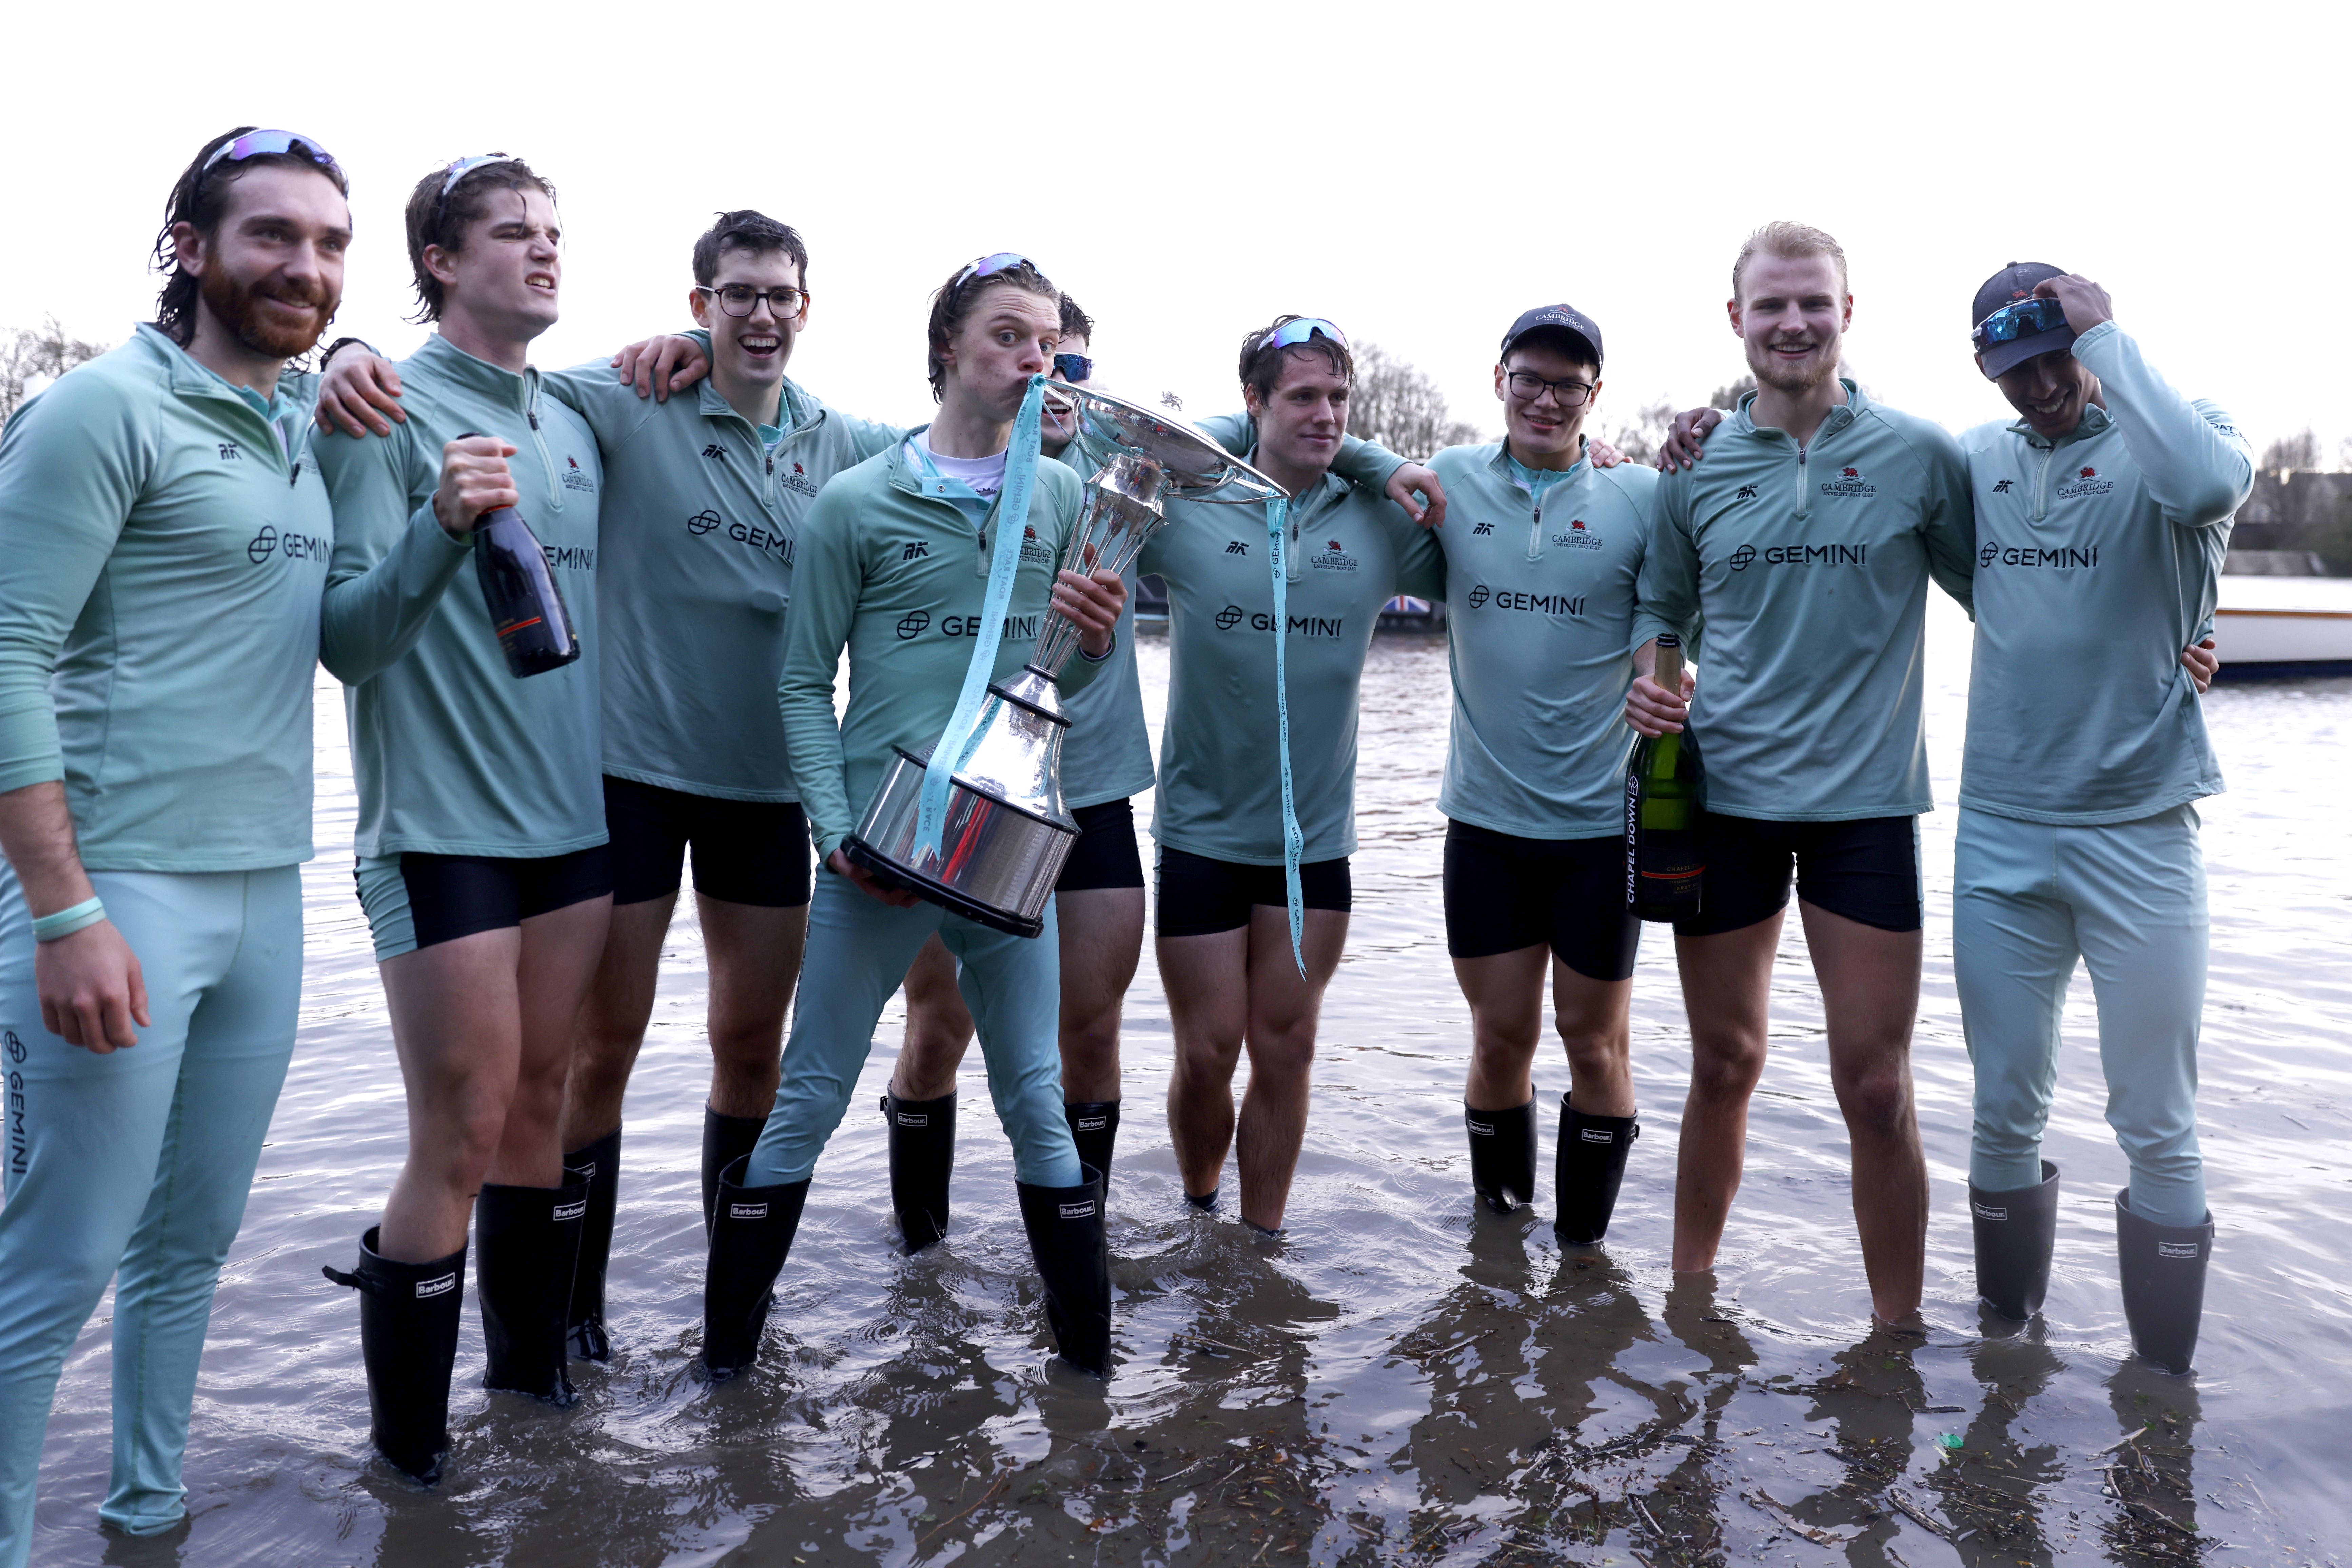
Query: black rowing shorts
(421, 901)
(1105, 855)
(1504, 893)
(752, 852)
(1866, 869)
(1200, 897)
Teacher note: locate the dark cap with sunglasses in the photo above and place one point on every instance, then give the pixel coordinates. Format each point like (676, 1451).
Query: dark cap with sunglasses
(1561, 318)
(2008, 326)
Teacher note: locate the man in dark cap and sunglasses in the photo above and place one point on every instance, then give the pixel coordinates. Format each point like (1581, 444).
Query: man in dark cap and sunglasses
(164, 537)
(2103, 513)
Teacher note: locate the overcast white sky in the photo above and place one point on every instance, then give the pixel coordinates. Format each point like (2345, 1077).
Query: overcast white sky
(1418, 174)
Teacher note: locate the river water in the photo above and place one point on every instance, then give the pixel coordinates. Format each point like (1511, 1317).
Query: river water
(1402, 1378)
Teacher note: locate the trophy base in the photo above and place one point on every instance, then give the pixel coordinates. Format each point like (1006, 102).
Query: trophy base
(900, 877)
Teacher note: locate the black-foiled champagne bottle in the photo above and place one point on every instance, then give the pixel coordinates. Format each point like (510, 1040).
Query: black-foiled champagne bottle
(527, 608)
(1665, 796)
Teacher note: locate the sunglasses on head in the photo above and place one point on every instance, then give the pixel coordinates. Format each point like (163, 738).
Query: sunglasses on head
(2023, 319)
(258, 143)
(989, 266)
(1304, 329)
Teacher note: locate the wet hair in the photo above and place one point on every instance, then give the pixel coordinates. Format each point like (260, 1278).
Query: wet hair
(753, 232)
(200, 199)
(1075, 323)
(1262, 366)
(1791, 242)
(435, 220)
(952, 306)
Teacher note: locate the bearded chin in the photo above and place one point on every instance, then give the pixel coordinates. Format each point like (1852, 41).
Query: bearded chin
(1773, 372)
(239, 309)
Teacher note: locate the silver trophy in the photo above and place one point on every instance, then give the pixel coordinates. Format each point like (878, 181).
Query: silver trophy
(1007, 832)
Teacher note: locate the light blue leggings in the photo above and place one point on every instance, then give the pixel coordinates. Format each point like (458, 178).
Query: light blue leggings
(858, 951)
(2129, 898)
(135, 1166)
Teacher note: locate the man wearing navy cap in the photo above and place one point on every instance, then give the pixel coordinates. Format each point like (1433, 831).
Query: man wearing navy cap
(2103, 512)
(1542, 553)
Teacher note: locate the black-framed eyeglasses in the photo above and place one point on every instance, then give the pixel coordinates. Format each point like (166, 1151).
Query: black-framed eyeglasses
(1073, 368)
(742, 299)
(1528, 386)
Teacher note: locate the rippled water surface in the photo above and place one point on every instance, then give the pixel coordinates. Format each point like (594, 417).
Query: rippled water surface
(1399, 1380)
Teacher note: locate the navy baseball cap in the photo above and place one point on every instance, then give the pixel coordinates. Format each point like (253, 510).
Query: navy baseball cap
(1567, 318)
(2010, 285)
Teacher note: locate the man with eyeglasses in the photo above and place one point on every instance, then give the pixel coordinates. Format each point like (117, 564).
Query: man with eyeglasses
(703, 503)
(933, 564)
(165, 596)
(2103, 513)
(1271, 620)
(1541, 559)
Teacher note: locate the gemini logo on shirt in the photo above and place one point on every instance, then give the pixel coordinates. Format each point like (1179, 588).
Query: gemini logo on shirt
(1323, 626)
(1333, 558)
(1533, 604)
(2061, 558)
(1800, 555)
(2087, 483)
(570, 557)
(573, 477)
(1849, 483)
(1019, 628)
(20, 1144)
(703, 522)
(293, 546)
(913, 623)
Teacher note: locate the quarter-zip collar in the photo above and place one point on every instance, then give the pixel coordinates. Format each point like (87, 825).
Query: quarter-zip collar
(1509, 468)
(1301, 507)
(2095, 422)
(1839, 417)
(285, 425)
(935, 491)
(502, 387)
(792, 413)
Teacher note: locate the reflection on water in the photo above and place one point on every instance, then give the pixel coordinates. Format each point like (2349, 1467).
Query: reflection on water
(1404, 1378)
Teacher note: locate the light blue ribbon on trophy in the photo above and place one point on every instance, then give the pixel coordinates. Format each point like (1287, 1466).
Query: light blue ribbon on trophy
(1294, 843)
(954, 748)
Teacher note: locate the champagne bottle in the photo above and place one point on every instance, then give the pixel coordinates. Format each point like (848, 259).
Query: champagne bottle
(534, 625)
(1665, 795)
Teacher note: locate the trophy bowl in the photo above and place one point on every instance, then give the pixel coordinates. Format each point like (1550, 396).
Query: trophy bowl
(1007, 832)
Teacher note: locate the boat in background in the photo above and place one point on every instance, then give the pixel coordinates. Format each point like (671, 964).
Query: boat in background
(2271, 628)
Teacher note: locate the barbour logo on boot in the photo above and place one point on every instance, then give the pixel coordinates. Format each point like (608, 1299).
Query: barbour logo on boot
(747, 1211)
(1091, 1123)
(914, 1119)
(1596, 1135)
(1483, 1129)
(1079, 1211)
(1990, 1211)
(2176, 1249)
(571, 1211)
(427, 1288)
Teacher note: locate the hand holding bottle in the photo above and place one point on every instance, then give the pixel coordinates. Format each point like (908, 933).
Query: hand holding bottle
(475, 480)
(1648, 706)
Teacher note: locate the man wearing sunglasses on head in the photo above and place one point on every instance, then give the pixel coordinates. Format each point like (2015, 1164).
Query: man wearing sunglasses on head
(482, 860)
(1272, 612)
(704, 496)
(934, 565)
(1541, 559)
(166, 597)
(2103, 513)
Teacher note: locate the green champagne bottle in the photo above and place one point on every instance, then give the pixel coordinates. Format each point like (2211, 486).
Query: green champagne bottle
(1665, 796)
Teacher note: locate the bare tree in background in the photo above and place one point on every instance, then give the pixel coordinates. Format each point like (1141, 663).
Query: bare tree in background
(39, 354)
(2292, 454)
(1727, 397)
(1641, 437)
(1400, 407)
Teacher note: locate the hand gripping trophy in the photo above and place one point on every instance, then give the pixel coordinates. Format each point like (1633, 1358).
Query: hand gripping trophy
(1005, 833)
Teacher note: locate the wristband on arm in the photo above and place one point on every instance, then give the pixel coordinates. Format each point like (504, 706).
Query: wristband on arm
(65, 922)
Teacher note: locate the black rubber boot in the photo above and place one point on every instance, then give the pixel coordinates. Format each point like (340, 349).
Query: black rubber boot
(922, 1156)
(725, 1140)
(1503, 1155)
(408, 1341)
(2015, 1230)
(2163, 1270)
(1093, 1126)
(527, 1243)
(750, 1235)
(599, 1165)
(1067, 1238)
(1588, 1169)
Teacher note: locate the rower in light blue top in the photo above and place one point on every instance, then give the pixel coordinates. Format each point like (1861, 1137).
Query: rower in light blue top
(2103, 513)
